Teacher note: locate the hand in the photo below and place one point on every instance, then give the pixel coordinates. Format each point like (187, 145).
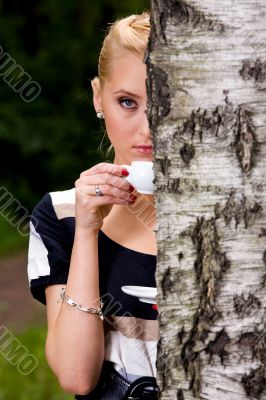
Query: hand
(92, 209)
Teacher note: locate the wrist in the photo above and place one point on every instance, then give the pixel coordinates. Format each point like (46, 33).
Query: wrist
(86, 231)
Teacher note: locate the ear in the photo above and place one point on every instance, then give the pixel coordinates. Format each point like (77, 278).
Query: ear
(97, 101)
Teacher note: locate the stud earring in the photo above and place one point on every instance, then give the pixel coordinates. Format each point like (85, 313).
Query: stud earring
(100, 114)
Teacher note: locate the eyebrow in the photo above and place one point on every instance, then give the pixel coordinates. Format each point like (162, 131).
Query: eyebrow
(126, 92)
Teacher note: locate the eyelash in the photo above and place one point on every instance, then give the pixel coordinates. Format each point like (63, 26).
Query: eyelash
(127, 99)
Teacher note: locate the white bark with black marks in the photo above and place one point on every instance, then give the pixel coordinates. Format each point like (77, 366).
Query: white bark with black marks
(207, 110)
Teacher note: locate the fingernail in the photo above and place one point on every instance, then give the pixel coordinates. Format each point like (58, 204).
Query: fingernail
(132, 199)
(131, 188)
(124, 172)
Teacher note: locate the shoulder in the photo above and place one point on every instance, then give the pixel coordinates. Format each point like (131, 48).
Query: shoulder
(63, 197)
(52, 214)
(52, 219)
(63, 203)
(59, 204)
(50, 242)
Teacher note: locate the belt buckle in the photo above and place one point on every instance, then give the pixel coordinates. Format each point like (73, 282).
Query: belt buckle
(139, 385)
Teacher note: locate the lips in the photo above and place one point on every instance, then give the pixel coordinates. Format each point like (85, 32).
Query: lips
(143, 146)
(144, 149)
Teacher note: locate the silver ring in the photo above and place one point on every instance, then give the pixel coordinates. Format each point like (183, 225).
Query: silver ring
(98, 191)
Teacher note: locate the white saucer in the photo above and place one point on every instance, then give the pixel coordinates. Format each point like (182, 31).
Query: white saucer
(145, 300)
(144, 293)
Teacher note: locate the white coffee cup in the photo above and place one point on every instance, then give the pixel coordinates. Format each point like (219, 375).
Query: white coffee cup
(141, 176)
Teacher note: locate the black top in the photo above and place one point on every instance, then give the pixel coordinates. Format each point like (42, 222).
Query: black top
(131, 330)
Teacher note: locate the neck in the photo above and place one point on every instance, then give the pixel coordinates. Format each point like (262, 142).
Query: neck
(143, 211)
(118, 160)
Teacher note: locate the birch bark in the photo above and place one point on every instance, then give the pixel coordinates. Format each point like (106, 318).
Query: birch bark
(207, 110)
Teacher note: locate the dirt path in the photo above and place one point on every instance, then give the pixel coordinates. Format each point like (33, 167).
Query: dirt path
(17, 307)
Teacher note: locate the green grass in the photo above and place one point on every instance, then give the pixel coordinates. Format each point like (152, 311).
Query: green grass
(11, 239)
(41, 384)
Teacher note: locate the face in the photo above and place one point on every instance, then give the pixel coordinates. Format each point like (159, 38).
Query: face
(123, 100)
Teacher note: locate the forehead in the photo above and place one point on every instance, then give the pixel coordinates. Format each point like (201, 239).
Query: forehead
(128, 71)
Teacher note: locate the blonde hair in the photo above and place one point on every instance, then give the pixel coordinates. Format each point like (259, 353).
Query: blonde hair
(127, 34)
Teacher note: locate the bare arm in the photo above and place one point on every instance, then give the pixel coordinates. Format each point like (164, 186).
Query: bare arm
(75, 340)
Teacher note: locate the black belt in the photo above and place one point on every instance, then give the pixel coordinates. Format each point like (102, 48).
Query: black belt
(113, 386)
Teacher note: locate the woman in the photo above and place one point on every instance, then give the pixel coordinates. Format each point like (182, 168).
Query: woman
(86, 243)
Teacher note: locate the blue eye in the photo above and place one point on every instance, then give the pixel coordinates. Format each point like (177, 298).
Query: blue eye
(127, 103)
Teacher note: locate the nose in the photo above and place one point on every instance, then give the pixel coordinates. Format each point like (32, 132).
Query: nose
(144, 126)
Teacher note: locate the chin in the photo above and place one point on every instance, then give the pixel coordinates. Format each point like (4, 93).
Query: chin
(137, 155)
(142, 159)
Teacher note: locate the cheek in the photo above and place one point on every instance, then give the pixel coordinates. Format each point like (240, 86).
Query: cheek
(119, 126)
(113, 124)
(115, 130)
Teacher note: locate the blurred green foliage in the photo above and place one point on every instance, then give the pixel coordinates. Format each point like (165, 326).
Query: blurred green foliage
(11, 240)
(46, 143)
(41, 383)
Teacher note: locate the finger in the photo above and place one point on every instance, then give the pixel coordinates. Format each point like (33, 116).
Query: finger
(105, 199)
(113, 169)
(108, 190)
(106, 178)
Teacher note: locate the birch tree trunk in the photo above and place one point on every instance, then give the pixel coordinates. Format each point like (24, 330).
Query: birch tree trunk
(207, 110)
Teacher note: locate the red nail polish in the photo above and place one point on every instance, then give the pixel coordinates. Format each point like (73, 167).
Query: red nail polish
(132, 199)
(124, 172)
(131, 188)
(155, 307)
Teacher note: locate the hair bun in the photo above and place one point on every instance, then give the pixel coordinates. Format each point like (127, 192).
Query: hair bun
(130, 33)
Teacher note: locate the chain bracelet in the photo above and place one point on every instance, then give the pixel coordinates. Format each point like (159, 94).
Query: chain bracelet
(71, 302)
